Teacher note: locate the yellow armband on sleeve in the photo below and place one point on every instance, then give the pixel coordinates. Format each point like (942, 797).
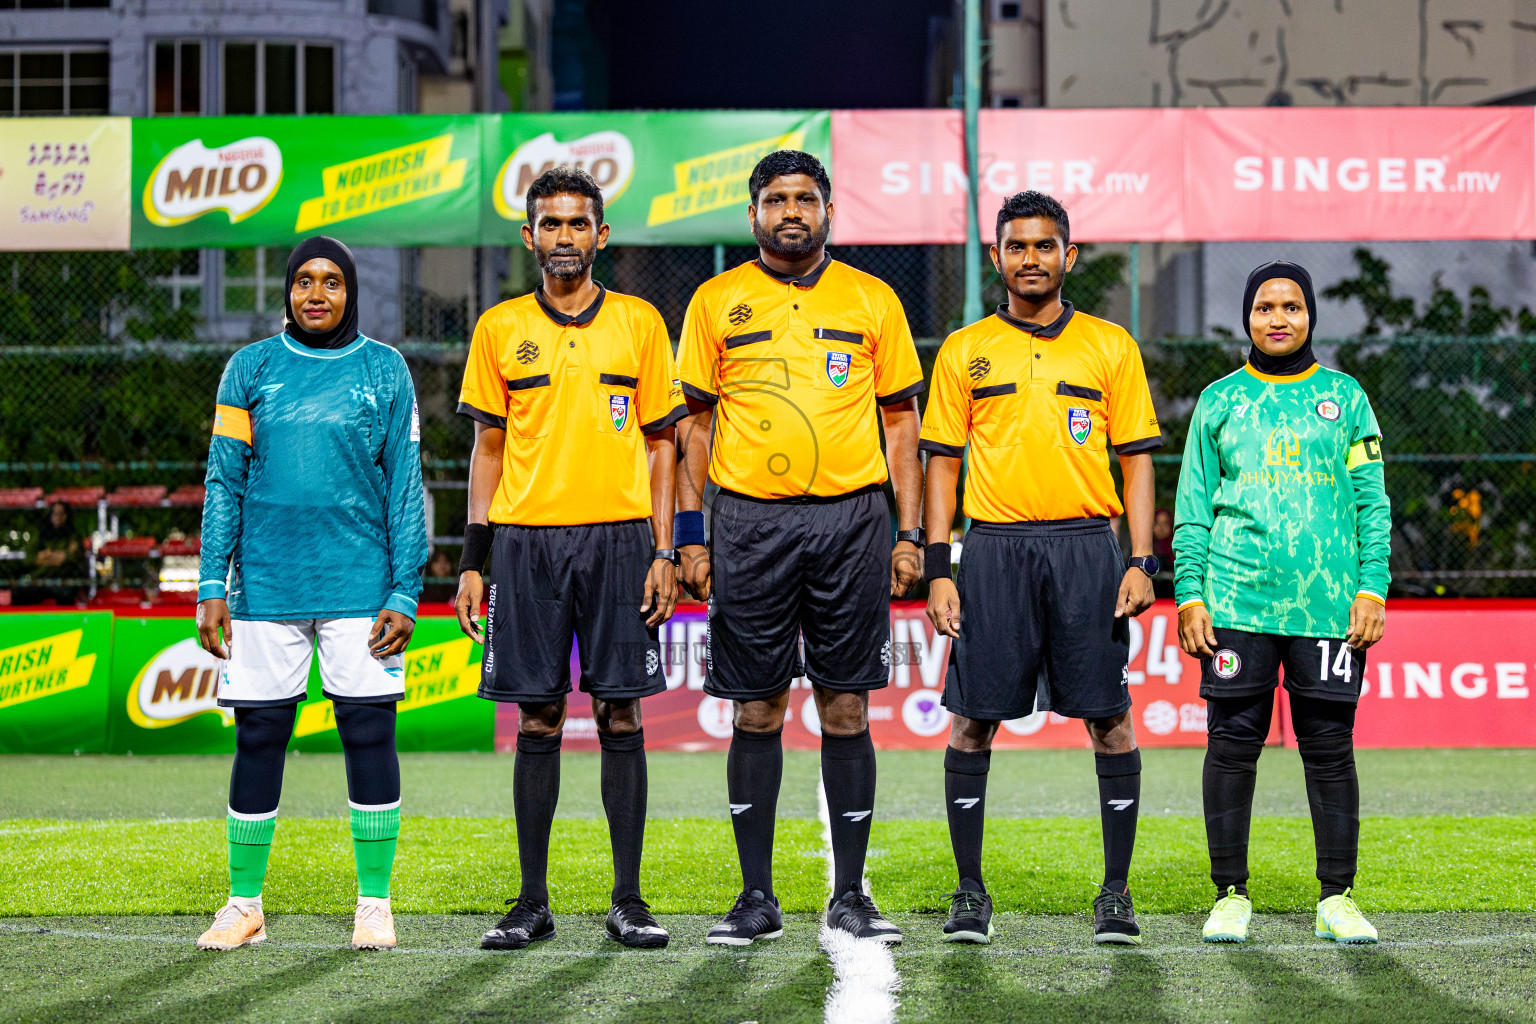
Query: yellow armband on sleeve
(229, 421)
(1367, 449)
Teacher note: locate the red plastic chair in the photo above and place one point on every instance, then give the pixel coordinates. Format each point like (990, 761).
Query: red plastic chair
(147, 496)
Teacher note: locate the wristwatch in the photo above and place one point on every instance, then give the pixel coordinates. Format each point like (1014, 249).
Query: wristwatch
(666, 555)
(1147, 564)
(917, 536)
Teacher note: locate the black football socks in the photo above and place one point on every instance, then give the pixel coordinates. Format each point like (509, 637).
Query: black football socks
(1325, 736)
(624, 785)
(1226, 783)
(535, 792)
(753, 770)
(965, 800)
(848, 777)
(1119, 804)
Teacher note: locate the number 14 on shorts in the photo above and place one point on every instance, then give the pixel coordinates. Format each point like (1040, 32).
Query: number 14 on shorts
(1343, 663)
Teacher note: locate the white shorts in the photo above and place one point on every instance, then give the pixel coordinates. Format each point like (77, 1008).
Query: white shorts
(269, 663)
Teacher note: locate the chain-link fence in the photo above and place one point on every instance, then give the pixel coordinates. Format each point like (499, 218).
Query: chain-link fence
(109, 363)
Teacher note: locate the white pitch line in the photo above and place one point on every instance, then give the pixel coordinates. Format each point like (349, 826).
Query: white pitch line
(277, 945)
(864, 978)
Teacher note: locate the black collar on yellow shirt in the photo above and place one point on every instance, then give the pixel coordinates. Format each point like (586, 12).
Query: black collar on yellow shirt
(1050, 330)
(565, 319)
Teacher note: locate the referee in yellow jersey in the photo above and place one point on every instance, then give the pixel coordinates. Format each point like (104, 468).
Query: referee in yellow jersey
(574, 399)
(792, 362)
(1039, 393)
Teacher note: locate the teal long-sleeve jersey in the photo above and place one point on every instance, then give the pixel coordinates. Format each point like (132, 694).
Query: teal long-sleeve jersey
(314, 484)
(1282, 517)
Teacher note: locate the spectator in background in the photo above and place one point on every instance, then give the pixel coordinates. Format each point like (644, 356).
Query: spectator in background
(1162, 547)
(59, 554)
(442, 580)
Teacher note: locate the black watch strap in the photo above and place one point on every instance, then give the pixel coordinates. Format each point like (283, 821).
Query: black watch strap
(918, 536)
(665, 555)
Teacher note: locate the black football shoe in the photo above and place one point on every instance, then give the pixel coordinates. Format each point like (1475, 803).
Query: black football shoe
(525, 923)
(631, 923)
(754, 917)
(854, 912)
(1114, 918)
(970, 917)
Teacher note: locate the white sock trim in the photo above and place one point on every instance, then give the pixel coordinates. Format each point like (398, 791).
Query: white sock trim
(371, 807)
(252, 817)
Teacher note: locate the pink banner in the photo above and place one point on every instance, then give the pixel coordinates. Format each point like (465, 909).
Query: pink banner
(1313, 174)
(1448, 674)
(1383, 174)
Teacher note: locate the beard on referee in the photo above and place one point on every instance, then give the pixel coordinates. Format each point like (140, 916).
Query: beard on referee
(784, 362)
(1038, 392)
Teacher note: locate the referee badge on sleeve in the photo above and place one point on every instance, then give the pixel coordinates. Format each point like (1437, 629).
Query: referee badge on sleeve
(618, 408)
(837, 368)
(1079, 424)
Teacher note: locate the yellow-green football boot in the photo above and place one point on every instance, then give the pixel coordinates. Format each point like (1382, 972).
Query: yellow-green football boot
(1229, 919)
(1339, 919)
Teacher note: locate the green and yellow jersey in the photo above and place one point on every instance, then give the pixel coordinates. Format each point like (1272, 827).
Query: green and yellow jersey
(1282, 517)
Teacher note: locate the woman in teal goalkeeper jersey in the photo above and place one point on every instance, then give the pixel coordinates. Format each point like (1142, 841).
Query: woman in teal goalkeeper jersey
(313, 536)
(1281, 541)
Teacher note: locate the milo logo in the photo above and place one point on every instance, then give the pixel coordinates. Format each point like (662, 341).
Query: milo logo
(607, 155)
(192, 180)
(179, 682)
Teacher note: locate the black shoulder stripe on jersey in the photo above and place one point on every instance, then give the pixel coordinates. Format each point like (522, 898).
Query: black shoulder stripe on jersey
(832, 334)
(619, 379)
(993, 390)
(481, 416)
(524, 383)
(901, 396)
(1145, 444)
(1078, 391)
(938, 448)
(738, 340)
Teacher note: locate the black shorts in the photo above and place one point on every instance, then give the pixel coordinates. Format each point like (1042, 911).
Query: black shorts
(548, 582)
(1246, 664)
(1037, 611)
(800, 566)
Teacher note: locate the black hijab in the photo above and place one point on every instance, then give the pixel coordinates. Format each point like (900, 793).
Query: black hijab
(345, 331)
(1302, 358)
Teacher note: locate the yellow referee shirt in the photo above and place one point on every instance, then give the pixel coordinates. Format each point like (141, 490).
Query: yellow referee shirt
(1039, 407)
(795, 368)
(576, 395)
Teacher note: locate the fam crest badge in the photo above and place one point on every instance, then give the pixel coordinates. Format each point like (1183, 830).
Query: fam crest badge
(837, 368)
(1079, 424)
(618, 408)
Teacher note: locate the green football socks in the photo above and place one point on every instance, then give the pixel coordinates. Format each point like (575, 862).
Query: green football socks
(374, 832)
(250, 840)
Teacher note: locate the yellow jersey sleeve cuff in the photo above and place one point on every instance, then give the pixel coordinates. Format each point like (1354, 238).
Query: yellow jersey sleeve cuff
(1191, 603)
(1374, 597)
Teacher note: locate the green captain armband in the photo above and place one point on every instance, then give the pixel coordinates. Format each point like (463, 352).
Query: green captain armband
(1367, 449)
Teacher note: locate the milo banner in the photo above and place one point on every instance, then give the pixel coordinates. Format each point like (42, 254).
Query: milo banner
(244, 181)
(677, 178)
(164, 694)
(64, 183)
(53, 682)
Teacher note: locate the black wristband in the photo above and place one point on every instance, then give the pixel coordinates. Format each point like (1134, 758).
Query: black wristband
(477, 547)
(936, 561)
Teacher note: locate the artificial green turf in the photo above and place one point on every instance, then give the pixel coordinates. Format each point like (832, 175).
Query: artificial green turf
(456, 865)
(1022, 784)
(1429, 969)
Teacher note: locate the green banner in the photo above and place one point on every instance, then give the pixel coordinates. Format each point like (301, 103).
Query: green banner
(164, 694)
(228, 182)
(53, 683)
(677, 178)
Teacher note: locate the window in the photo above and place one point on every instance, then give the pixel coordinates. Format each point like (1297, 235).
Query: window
(178, 77)
(184, 283)
(254, 279)
(38, 83)
(11, 5)
(264, 77)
